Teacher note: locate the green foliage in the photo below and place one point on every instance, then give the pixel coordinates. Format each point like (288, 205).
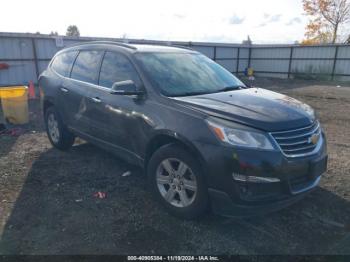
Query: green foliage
(73, 30)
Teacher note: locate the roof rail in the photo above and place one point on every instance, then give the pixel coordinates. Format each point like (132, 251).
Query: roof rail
(184, 47)
(130, 46)
(167, 44)
(107, 42)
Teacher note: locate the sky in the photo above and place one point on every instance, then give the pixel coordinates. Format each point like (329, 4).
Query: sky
(265, 21)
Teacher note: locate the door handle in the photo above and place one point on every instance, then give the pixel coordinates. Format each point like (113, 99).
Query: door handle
(64, 90)
(96, 99)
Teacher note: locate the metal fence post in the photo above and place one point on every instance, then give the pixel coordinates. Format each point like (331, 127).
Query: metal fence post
(215, 53)
(237, 64)
(190, 44)
(335, 61)
(35, 59)
(290, 61)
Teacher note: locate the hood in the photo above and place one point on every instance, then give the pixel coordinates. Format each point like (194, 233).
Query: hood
(255, 107)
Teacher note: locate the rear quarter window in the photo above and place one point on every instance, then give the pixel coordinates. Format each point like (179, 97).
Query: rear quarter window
(62, 63)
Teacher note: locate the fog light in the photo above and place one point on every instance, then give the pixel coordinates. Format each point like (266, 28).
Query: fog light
(254, 179)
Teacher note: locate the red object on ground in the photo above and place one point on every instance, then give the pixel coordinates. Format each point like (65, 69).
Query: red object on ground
(100, 195)
(4, 66)
(31, 90)
(12, 132)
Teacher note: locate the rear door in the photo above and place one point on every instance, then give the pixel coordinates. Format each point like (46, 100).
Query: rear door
(62, 65)
(79, 89)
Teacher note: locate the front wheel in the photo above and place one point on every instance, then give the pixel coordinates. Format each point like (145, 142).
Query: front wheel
(177, 182)
(59, 136)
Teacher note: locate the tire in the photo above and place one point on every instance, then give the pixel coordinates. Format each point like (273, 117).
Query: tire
(189, 199)
(58, 134)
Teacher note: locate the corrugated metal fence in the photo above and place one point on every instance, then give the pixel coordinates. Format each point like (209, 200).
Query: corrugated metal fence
(27, 55)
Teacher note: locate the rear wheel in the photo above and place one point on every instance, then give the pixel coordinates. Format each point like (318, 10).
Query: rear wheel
(58, 134)
(177, 182)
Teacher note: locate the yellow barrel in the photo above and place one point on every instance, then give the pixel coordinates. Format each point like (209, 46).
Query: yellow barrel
(14, 101)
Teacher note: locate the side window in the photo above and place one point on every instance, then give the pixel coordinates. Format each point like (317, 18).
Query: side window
(63, 63)
(86, 66)
(115, 68)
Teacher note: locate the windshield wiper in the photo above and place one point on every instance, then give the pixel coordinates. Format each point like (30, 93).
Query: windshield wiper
(191, 94)
(225, 89)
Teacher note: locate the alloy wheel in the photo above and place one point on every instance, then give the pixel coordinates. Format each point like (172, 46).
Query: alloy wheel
(176, 182)
(52, 125)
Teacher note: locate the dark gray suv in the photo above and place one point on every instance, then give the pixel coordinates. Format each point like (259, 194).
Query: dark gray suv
(203, 137)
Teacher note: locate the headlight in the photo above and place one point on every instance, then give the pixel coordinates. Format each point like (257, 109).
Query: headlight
(239, 137)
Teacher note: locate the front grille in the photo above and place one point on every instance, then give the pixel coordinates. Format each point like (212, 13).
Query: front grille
(299, 142)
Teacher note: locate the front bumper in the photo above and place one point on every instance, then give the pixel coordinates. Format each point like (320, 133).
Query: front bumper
(297, 177)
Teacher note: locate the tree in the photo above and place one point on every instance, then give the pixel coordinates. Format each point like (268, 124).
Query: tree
(54, 33)
(73, 30)
(326, 18)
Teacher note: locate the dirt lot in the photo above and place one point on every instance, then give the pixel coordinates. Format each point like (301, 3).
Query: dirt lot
(47, 204)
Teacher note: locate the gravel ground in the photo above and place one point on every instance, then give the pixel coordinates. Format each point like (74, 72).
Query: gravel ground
(47, 204)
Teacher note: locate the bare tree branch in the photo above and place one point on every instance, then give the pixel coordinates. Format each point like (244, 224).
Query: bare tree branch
(326, 19)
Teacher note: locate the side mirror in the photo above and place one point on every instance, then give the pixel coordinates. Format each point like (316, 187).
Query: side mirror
(126, 87)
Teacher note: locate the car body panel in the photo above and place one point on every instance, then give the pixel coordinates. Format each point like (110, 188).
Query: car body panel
(256, 107)
(73, 104)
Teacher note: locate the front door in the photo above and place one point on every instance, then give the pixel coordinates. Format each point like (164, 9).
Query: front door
(116, 113)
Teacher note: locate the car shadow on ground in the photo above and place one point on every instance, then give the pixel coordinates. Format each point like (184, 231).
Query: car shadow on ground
(57, 213)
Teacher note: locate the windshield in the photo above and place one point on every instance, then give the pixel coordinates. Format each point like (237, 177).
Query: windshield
(184, 74)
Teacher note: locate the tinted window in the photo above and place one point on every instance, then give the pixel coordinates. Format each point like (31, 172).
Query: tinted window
(86, 66)
(115, 68)
(63, 63)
